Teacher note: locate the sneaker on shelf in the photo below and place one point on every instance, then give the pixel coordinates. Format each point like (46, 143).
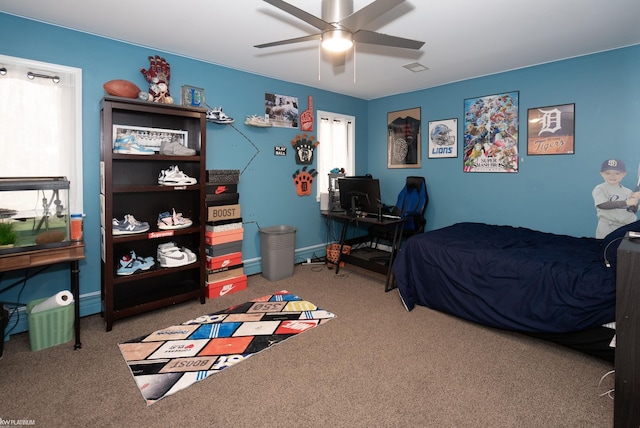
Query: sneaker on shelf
(216, 115)
(191, 256)
(172, 176)
(128, 225)
(167, 220)
(131, 263)
(259, 121)
(167, 247)
(174, 148)
(170, 255)
(127, 144)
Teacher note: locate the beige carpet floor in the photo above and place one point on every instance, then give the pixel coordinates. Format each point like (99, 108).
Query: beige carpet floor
(375, 365)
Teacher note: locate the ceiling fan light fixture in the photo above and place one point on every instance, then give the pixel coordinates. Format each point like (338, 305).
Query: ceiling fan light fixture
(337, 40)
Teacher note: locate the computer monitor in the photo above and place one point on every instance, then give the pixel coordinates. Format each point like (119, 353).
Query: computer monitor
(359, 194)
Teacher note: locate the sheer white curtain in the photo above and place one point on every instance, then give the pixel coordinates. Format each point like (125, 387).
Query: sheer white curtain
(40, 126)
(336, 134)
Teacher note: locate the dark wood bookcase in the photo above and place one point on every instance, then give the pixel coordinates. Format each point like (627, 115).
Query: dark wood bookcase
(129, 185)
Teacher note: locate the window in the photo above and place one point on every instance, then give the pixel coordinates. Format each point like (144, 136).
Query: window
(336, 134)
(41, 123)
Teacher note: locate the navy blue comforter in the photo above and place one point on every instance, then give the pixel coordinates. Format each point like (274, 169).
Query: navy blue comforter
(507, 277)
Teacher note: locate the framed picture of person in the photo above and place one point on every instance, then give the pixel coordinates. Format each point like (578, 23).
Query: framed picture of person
(403, 139)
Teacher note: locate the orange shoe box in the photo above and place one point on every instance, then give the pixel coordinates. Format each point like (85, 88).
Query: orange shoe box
(216, 238)
(224, 261)
(221, 288)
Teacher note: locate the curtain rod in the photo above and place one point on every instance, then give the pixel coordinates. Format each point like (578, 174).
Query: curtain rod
(31, 75)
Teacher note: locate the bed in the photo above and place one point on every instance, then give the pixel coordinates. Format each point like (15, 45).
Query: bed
(555, 287)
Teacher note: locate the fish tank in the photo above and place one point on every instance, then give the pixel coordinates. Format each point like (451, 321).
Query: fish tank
(34, 213)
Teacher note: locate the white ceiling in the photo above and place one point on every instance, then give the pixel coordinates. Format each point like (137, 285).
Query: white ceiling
(464, 38)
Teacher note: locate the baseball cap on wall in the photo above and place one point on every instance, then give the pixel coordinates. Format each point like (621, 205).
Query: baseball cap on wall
(613, 165)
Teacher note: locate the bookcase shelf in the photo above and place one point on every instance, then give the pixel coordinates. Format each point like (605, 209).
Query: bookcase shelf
(129, 185)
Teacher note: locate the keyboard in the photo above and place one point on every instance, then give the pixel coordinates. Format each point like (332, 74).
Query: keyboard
(387, 216)
(391, 217)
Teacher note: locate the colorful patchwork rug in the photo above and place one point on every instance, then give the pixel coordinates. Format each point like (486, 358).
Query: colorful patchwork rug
(169, 360)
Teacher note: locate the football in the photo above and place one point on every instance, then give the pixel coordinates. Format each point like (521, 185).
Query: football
(121, 88)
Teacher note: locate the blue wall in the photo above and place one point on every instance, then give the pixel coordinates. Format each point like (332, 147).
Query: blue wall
(267, 193)
(550, 193)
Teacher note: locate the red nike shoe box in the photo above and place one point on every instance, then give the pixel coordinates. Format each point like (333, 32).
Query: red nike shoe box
(223, 261)
(216, 238)
(227, 286)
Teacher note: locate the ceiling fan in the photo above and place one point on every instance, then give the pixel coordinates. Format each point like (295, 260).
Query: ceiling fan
(340, 27)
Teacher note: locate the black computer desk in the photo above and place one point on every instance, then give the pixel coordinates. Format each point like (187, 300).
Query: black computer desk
(347, 220)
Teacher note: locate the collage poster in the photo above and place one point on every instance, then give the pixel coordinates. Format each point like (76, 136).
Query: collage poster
(491, 133)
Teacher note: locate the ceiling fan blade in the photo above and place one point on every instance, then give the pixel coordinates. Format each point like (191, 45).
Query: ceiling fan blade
(372, 11)
(373, 38)
(289, 41)
(301, 14)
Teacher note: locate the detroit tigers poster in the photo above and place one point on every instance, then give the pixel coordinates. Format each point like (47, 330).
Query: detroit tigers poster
(551, 130)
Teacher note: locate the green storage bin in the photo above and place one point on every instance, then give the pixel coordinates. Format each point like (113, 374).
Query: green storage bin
(51, 327)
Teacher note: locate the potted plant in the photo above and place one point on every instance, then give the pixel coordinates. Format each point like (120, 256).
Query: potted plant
(7, 234)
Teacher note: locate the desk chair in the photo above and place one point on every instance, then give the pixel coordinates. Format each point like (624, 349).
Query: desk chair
(411, 204)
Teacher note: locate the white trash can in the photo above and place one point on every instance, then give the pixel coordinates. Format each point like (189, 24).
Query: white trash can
(277, 247)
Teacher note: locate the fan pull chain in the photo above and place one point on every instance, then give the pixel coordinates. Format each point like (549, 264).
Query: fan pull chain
(319, 58)
(354, 63)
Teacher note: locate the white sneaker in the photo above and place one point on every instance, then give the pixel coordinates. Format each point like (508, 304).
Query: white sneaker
(174, 177)
(216, 115)
(165, 248)
(259, 121)
(190, 254)
(170, 256)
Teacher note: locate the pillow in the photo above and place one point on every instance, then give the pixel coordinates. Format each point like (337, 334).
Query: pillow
(611, 242)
